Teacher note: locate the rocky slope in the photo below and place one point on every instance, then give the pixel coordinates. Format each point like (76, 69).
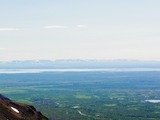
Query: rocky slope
(10, 110)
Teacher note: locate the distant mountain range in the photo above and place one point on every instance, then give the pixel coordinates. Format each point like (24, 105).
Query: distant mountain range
(69, 64)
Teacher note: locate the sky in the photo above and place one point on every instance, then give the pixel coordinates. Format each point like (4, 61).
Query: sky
(79, 29)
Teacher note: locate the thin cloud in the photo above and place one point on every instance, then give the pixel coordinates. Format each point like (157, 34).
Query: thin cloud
(9, 29)
(55, 27)
(1, 48)
(82, 26)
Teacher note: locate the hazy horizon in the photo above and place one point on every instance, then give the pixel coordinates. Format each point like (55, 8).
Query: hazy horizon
(49, 30)
(138, 60)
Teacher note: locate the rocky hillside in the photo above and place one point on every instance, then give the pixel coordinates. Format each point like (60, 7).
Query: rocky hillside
(10, 110)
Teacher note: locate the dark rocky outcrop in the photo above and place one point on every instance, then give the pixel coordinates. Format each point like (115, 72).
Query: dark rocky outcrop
(10, 110)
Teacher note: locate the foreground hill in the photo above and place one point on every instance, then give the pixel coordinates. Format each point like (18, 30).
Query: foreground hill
(16, 111)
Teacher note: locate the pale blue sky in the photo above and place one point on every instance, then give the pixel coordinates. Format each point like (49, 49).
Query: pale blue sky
(79, 29)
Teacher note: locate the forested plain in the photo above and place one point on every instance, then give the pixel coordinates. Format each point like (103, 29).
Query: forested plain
(87, 95)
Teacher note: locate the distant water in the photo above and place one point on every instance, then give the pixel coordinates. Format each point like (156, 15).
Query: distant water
(14, 71)
(153, 101)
